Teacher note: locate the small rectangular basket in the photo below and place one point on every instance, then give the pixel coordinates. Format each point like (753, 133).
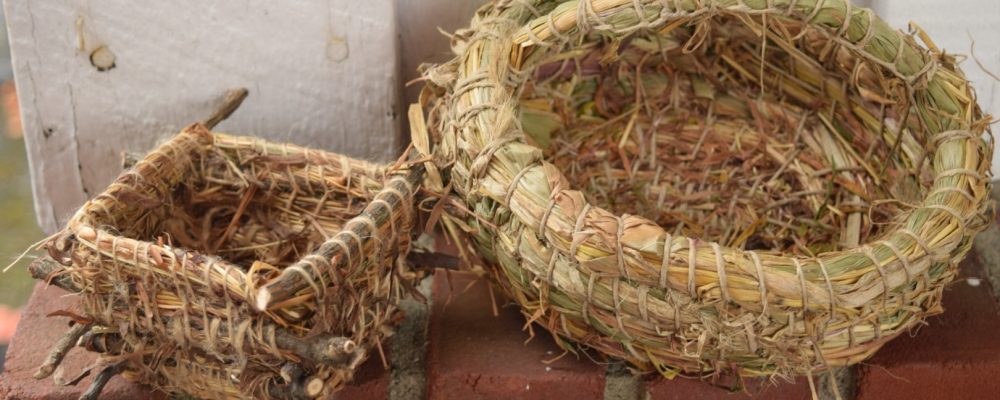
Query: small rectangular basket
(230, 267)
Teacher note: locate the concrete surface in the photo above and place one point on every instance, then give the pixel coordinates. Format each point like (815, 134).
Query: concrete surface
(408, 372)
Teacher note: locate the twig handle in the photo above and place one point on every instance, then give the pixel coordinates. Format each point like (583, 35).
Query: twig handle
(234, 98)
(394, 202)
(327, 349)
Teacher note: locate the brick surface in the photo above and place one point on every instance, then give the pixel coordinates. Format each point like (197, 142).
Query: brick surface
(370, 382)
(34, 337)
(956, 356)
(475, 355)
(36, 334)
(727, 389)
(8, 323)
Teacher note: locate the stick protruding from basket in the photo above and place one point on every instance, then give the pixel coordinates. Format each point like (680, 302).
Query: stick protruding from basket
(232, 100)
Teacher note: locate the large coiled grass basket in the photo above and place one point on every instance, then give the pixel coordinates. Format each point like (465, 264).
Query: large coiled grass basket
(767, 187)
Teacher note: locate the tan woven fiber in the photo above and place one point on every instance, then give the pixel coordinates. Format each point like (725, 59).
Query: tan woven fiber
(169, 258)
(767, 187)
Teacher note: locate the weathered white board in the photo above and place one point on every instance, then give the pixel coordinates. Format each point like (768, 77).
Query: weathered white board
(323, 73)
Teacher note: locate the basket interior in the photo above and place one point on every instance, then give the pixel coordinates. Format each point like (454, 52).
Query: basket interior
(242, 204)
(788, 143)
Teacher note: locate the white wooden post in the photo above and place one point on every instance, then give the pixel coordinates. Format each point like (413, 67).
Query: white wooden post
(96, 78)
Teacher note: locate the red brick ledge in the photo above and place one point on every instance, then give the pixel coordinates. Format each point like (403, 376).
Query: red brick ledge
(32, 340)
(458, 349)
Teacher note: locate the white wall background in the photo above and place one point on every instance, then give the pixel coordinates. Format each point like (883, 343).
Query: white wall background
(953, 25)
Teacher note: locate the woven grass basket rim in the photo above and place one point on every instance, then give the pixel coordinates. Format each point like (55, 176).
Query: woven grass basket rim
(482, 145)
(400, 181)
(81, 221)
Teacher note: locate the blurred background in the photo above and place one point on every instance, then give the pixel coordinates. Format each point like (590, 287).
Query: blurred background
(18, 228)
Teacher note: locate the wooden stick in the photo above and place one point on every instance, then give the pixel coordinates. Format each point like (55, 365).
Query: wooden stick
(101, 342)
(298, 385)
(313, 387)
(292, 280)
(102, 378)
(234, 98)
(309, 387)
(429, 261)
(46, 269)
(334, 351)
(63, 346)
(230, 103)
